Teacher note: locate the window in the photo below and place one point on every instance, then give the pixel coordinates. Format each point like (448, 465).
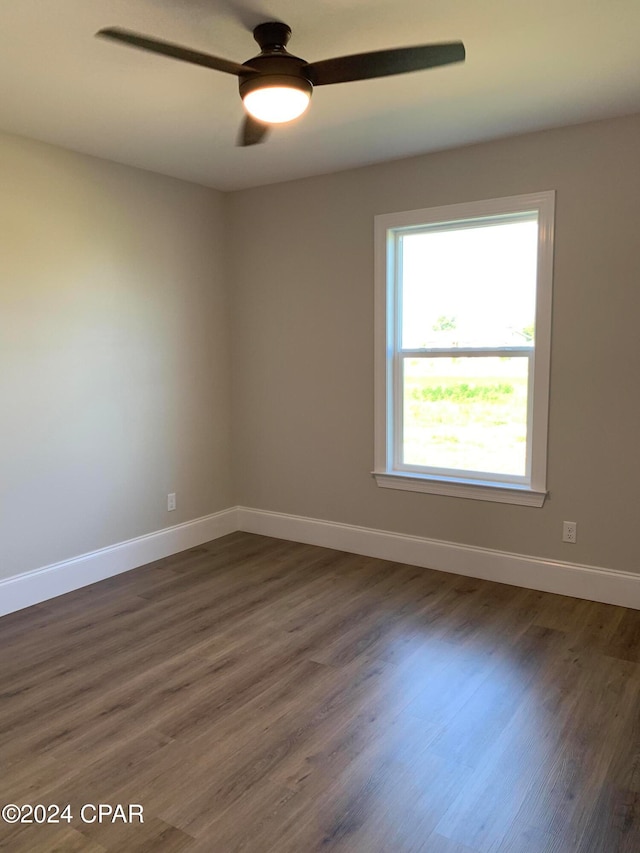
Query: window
(463, 327)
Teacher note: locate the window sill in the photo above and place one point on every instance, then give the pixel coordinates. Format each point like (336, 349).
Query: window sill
(479, 491)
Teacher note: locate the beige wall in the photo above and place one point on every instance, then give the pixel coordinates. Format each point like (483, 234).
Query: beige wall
(302, 356)
(118, 376)
(114, 354)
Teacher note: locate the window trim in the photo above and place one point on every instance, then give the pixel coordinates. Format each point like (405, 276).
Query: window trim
(529, 491)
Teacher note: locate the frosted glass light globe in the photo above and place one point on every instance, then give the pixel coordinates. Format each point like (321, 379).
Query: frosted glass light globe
(276, 104)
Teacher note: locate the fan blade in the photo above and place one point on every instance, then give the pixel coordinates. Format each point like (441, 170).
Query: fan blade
(165, 48)
(252, 131)
(382, 63)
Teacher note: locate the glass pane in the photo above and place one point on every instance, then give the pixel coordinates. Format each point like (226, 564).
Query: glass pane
(466, 413)
(470, 286)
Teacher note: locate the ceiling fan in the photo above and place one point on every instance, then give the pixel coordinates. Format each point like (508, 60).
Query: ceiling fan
(276, 86)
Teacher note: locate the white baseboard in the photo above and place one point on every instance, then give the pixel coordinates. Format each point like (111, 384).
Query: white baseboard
(591, 582)
(41, 584)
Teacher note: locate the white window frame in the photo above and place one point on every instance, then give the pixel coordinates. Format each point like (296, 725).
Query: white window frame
(529, 490)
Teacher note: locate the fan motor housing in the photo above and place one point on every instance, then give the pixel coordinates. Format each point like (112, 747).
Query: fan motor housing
(278, 69)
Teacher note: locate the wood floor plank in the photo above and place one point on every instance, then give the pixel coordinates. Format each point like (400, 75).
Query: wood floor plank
(151, 836)
(489, 801)
(439, 844)
(48, 839)
(625, 643)
(472, 730)
(561, 803)
(267, 696)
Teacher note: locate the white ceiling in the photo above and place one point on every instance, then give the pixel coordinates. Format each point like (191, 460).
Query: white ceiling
(529, 65)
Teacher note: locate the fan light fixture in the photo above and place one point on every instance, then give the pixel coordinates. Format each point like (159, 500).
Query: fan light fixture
(278, 101)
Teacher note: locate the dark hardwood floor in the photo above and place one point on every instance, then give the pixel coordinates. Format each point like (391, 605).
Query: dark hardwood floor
(259, 695)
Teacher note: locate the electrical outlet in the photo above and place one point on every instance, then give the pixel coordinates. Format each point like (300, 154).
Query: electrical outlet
(570, 532)
(171, 502)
